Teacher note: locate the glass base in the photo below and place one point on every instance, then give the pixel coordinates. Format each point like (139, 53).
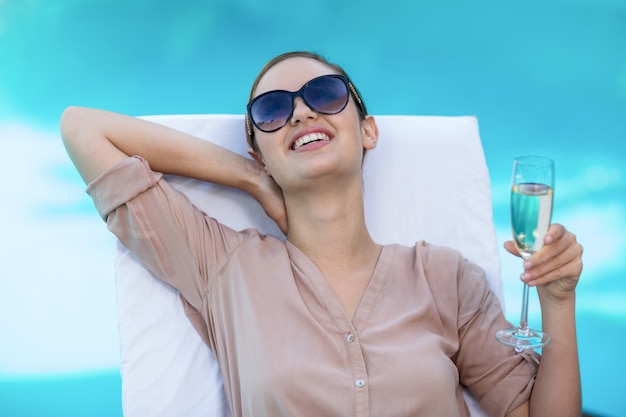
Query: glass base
(522, 339)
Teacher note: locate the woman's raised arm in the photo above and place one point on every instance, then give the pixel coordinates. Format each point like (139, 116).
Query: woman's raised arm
(96, 140)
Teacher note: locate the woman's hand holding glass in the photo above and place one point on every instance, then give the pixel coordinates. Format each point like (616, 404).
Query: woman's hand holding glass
(551, 254)
(556, 268)
(532, 194)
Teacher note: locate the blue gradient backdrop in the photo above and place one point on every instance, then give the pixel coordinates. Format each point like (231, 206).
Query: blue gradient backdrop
(546, 77)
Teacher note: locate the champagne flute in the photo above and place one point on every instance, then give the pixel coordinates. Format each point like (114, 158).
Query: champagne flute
(531, 209)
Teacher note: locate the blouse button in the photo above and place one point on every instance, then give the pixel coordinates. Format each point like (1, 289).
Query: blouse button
(350, 338)
(359, 383)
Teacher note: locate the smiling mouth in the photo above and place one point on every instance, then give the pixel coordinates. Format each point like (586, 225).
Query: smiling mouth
(313, 137)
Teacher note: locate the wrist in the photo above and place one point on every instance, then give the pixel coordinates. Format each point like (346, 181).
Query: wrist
(564, 300)
(254, 178)
(558, 313)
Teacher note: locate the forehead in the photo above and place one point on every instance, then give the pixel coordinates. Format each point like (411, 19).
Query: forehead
(291, 74)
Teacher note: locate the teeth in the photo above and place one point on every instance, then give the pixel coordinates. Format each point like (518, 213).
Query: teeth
(309, 138)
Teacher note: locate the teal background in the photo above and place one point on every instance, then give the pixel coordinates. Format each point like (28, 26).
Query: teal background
(545, 77)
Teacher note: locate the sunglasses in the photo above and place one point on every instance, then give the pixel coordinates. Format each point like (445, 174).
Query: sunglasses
(328, 94)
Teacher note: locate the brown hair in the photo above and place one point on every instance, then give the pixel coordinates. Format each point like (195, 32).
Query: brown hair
(300, 54)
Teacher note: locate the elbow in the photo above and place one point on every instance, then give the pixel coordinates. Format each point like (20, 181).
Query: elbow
(70, 123)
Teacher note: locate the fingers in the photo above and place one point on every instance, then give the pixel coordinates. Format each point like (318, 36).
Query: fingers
(511, 248)
(561, 257)
(556, 241)
(555, 232)
(566, 264)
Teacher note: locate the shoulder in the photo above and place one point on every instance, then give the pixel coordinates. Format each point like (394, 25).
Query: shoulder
(445, 268)
(250, 246)
(437, 259)
(432, 253)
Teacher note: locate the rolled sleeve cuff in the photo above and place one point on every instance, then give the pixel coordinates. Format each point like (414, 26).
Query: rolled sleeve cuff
(516, 388)
(120, 184)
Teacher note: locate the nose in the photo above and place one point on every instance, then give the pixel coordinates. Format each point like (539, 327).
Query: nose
(301, 112)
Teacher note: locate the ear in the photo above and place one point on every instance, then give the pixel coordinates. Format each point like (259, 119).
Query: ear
(259, 159)
(369, 131)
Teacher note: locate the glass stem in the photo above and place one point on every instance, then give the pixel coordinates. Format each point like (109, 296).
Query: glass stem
(523, 321)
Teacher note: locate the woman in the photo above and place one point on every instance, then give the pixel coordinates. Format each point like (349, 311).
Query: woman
(327, 322)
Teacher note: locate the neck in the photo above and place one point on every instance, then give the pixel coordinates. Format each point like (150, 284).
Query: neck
(328, 224)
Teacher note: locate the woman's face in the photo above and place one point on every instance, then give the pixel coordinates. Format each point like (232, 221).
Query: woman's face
(338, 140)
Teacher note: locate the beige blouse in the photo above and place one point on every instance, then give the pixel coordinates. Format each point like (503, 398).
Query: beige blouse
(424, 327)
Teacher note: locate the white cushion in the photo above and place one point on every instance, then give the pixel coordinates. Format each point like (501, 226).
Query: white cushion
(427, 179)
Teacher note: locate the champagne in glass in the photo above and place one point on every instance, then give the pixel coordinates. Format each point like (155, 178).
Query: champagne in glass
(531, 209)
(532, 194)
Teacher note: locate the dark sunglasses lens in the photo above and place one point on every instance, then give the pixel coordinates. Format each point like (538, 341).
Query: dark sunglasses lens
(328, 95)
(271, 111)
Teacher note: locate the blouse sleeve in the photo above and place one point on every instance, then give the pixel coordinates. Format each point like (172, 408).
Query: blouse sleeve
(471, 314)
(171, 237)
(500, 378)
